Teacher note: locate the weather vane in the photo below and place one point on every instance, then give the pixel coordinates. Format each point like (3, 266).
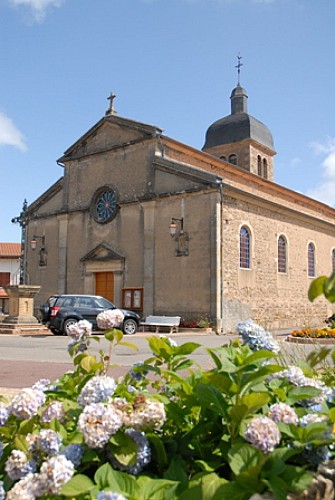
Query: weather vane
(239, 64)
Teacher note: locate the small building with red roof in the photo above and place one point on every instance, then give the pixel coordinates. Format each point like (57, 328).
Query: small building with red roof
(9, 270)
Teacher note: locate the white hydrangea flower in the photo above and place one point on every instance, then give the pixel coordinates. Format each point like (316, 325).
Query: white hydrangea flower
(18, 466)
(54, 473)
(296, 376)
(147, 415)
(4, 414)
(281, 412)
(42, 385)
(2, 491)
(110, 495)
(53, 410)
(111, 318)
(97, 390)
(80, 330)
(98, 423)
(311, 418)
(26, 403)
(28, 488)
(263, 433)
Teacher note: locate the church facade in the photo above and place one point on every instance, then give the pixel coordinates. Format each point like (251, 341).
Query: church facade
(163, 228)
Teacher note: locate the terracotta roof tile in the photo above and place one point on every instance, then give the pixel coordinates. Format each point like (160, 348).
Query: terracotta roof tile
(10, 250)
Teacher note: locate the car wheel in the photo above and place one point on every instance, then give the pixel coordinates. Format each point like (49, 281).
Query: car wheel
(67, 323)
(129, 326)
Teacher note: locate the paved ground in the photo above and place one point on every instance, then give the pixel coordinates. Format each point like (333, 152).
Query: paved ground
(46, 356)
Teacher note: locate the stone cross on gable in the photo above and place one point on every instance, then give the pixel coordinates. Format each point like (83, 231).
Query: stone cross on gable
(111, 109)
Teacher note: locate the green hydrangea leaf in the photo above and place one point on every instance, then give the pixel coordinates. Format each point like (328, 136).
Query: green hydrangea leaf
(123, 448)
(88, 363)
(109, 479)
(77, 485)
(113, 335)
(244, 456)
(158, 489)
(316, 288)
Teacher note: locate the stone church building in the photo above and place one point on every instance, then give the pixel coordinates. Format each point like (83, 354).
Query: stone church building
(162, 228)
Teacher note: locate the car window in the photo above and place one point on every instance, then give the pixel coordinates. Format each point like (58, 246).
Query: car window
(51, 301)
(103, 303)
(65, 301)
(84, 302)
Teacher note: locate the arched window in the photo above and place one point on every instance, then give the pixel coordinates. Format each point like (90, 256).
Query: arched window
(244, 248)
(265, 168)
(259, 166)
(282, 255)
(311, 260)
(333, 259)
(232, 159)
(223, 158)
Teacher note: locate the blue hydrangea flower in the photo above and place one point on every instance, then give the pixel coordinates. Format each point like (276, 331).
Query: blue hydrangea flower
(143, 453)
(97, 390)
(74, 453)
(256, 337)
(78, 345)
(4, 414)
(316, 455)
(46, 442)
(136, 374)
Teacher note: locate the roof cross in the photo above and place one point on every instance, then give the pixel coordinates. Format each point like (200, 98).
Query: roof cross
(239, 64)
(111, 109)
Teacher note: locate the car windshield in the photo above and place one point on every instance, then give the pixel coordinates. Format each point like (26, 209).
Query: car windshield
(104, 303)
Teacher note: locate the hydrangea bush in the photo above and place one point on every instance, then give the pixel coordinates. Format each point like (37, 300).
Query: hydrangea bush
(168, 429)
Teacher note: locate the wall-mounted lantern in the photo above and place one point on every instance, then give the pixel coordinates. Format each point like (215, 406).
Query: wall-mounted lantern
(180, 236)
(43, 255)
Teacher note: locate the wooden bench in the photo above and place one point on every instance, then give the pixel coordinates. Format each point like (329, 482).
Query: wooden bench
(158, 322)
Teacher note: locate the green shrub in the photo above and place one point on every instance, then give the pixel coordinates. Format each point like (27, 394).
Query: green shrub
(168, 429)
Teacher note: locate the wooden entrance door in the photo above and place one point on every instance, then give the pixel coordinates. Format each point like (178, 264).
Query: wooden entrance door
(104, 285)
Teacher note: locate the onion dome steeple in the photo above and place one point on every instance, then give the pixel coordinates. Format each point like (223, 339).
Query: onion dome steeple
(241, 139)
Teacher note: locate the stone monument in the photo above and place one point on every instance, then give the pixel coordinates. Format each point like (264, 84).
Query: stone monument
(21, 317)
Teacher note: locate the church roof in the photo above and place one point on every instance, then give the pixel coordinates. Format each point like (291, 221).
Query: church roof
(238, 126)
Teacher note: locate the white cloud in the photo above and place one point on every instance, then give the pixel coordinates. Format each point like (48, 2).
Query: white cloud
(38, 8)
(325, 190)
(295, 162)
(10, 135)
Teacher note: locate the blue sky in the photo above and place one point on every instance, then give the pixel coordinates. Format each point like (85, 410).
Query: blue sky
(171, 63)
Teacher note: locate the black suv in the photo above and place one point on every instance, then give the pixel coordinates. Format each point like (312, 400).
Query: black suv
(62, 311)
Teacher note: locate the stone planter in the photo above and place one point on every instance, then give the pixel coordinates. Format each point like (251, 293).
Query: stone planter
(310, 340)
